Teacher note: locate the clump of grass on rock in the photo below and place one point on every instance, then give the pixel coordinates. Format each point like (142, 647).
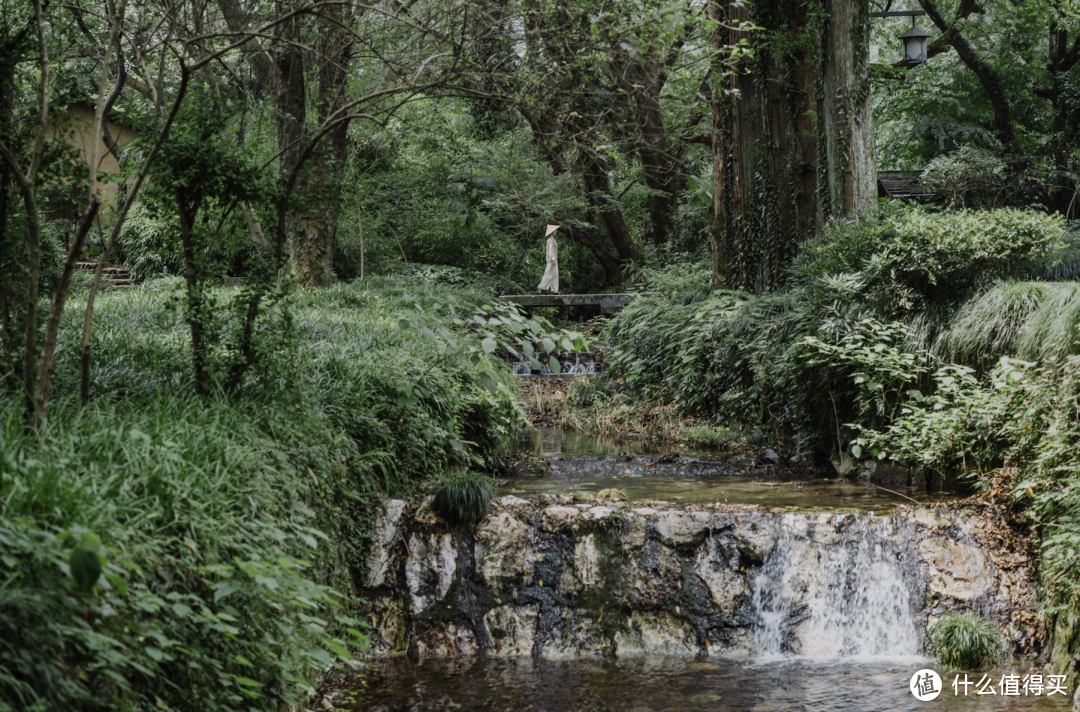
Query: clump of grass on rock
(463, 497)
(965, 641)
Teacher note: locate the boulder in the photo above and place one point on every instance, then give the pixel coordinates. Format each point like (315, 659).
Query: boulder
(386, 532)
(656, 633)
(430, 569)
(504, 552)
(512, 630)
(560, 518)
(756, 539)
(957, 570)
(677, 527)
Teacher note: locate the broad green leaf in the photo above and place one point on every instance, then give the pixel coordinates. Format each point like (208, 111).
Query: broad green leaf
(549, 345)
(118, 583)
(85, 567)
(338, 649)
(554, 365)
(489, 383)
(489, 345)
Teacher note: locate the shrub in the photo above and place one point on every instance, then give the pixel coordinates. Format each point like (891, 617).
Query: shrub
(903, 261)
(965, 641)
(707, 436)
(968, 177)
(463, 497)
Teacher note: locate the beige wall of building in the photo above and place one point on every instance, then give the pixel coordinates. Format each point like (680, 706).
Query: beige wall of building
(76, 127)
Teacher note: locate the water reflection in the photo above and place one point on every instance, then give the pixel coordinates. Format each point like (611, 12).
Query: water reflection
(651, 684)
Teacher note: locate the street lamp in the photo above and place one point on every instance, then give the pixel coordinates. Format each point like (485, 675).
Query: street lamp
(914, 39)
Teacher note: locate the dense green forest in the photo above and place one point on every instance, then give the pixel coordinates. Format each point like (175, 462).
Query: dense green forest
(318, 203)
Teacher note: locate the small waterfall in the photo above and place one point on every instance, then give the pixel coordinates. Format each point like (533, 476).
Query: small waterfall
(573, 364)
(839, 592)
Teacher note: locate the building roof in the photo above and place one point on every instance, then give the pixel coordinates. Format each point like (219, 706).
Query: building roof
(900, 185)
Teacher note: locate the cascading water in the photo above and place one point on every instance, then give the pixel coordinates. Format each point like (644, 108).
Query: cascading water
(850, 596)
(581, 365)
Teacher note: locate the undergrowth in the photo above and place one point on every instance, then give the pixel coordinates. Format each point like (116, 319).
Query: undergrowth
(234, 530)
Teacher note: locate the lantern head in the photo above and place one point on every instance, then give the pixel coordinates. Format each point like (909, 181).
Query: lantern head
(914, 44)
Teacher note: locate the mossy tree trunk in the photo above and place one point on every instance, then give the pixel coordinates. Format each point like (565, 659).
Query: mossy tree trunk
(795, 132)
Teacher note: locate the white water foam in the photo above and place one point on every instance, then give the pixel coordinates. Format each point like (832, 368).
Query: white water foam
(579, 367)
(844, 597)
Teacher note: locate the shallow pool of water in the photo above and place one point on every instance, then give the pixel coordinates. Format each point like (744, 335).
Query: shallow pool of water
(648, 684)
(583, 464)
(833, 494)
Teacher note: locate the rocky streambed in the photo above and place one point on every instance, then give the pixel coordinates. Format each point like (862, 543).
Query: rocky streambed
(554, 577)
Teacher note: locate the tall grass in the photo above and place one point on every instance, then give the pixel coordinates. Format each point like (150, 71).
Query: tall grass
(992, 324)
(237, 525)
(965, 641)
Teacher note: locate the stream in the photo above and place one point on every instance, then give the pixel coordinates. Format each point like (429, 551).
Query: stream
(630, 579)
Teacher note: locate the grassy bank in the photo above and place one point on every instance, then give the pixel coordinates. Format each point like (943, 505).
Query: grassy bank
(233, 529)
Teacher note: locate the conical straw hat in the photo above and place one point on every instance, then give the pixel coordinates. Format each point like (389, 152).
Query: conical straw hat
(551, 229)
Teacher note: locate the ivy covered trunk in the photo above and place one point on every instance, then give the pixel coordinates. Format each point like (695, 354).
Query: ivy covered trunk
(850, 169)
(795, 129)
(315, 237)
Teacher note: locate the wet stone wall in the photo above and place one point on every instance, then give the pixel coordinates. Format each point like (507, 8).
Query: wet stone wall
(556, 578)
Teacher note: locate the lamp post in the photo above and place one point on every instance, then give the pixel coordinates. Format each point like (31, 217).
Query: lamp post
(914, 40)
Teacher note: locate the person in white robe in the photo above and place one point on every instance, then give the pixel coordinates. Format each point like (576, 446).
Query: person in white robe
(551, 274)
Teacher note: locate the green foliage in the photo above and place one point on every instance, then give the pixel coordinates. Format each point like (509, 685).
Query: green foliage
(463, 497)
(232, 529)
(912, 260)
(202, 594)
(496, 285)
(969, 177)
(990, 325)
(869, 314)
(964, 424)
(683, 283)
(707, 436)
(965, 641)
(1052, 331)
(874, 357)
(149, 241)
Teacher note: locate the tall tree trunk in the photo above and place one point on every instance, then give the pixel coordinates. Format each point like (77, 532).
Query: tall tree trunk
(719, 110)
(313, 244)
(781, 235)
(641, 80)
(804, 100)
(742, 150)
(783, 161)
(289, 98)
(595, 243)
(594, 175)
(850, 167)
